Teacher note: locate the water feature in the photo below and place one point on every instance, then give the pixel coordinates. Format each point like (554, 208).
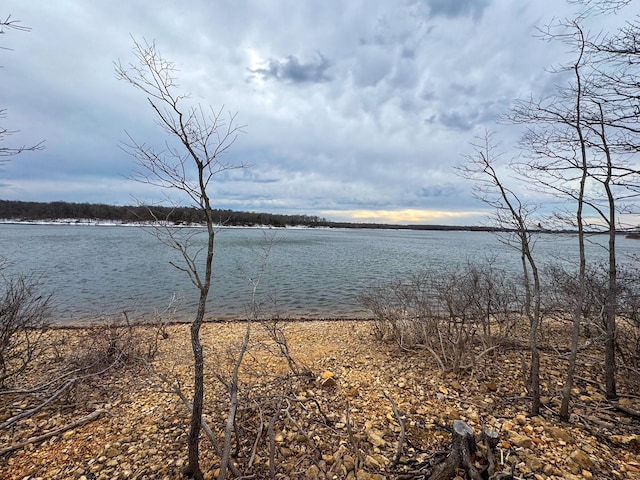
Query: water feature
(103, 270)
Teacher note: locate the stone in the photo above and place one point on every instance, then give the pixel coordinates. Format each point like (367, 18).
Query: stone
(534, 463)
(581, 459)
(328, 383)
(520, 419)
(362, 475)
(560, 434)
(381, 459)
(312, 472)
(112, 452)
(372, 463)
(353, 391)
(453, 414)
(520, 440)
(537, 421)
(570, 476)
(632, 441)
(375, 438)
(286, 452)
(507, 426)
(349, 463)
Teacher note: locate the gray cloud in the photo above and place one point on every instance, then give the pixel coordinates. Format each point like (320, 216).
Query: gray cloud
(458, 120)
(457, 8)
(291, 69)
(439, 191)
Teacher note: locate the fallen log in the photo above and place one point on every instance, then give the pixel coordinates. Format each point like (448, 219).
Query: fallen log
(41, 438)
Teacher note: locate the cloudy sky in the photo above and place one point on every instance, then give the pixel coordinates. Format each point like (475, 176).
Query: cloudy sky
(354, 110)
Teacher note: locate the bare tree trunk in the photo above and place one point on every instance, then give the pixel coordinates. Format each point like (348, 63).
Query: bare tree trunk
(193, 466)
(571, 369)
(577, 310)
(534, 371)
(534, 315)
(611, 302)
(532, 310)
(610, 319)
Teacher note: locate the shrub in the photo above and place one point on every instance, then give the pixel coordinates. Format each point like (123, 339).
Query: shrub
(446, 313)
(24, 313)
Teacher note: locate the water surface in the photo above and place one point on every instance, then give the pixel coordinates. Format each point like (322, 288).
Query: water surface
(99, 270)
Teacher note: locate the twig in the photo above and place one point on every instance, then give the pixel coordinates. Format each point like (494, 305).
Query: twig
(28, 413)
(272, 440)
(299, 427)
(81, 421)
(254, 449)
(629, 411)
(39, 388)
(302, 401)
(352, 439)
(398, 454)
(232, 388)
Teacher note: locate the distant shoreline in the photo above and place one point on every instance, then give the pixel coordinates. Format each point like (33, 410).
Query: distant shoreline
(110, 223)
(66, 213)
(343, 225)
(327, 225)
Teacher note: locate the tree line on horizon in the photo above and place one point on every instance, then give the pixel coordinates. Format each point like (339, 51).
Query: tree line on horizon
(41, 211)
(35, 211)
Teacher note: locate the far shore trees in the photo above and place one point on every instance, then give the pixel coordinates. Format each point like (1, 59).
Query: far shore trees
(187, 163)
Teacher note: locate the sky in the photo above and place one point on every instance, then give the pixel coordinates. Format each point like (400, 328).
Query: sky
(352, 110)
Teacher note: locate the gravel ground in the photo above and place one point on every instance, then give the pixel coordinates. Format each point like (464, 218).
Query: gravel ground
(335, 419)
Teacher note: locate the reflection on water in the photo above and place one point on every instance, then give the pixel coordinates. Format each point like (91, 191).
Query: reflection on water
(296, 272)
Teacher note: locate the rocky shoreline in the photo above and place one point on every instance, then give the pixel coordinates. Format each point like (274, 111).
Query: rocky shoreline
(339, 422)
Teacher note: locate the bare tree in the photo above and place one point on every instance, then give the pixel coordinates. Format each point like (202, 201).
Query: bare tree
(188, 163)
(616, 129)
(557, 158)
(597, 7)
(516, 216)
(15, 150)
(580, 145)
(5, 151)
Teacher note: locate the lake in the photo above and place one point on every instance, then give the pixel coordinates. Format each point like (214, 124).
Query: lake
(99, 271)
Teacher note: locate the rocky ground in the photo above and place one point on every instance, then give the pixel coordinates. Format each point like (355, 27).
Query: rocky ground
(336, 419)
